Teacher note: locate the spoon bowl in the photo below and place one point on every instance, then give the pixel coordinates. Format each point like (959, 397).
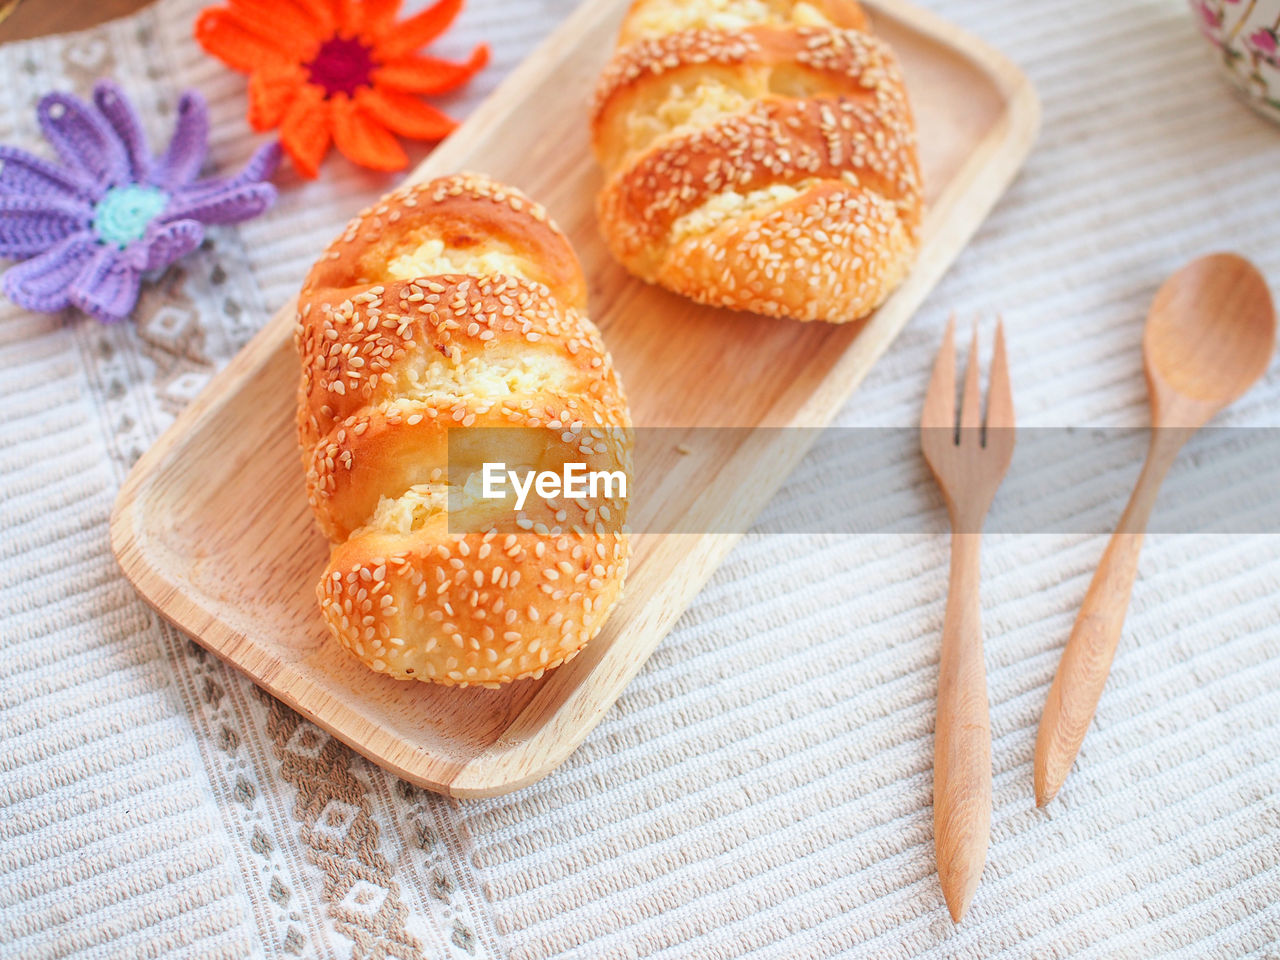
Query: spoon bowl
(1209, 336)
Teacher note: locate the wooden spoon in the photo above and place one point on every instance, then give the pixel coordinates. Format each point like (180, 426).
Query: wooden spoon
(1210, 334)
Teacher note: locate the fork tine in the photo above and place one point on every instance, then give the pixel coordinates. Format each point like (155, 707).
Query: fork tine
(940, 400)
(971, 401)
(999, 394)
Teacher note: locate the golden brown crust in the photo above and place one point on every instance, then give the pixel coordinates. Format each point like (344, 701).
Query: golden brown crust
(774, 143)
(391, 365)
(844, 14)
(466, 212)
(360, 421)
(783, 269)
(710, 137)
(470, 608)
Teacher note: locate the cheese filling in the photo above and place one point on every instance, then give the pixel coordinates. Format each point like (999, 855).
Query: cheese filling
(661, 17)
(731, 205)
(431, 259)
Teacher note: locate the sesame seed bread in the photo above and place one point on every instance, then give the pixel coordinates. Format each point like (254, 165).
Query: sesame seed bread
(758, 155)
(453, 305)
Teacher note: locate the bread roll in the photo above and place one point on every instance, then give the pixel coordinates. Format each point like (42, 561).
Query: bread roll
(457, 305)
(758, 155)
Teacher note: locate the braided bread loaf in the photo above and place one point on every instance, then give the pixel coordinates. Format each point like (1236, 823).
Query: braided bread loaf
(456, 304)
(758, 155)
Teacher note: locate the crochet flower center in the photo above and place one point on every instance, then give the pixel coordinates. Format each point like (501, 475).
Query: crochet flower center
(342, 65)
(123, 214)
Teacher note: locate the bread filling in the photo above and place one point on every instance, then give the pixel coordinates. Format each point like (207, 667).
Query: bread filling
(501, 371)
(410, 511)
(432, 258)
(462, 505)
(730, 205)
(660, 17)
(674, 109)
(669, 108)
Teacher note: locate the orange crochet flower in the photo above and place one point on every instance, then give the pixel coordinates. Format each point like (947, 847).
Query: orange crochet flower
(340, 71)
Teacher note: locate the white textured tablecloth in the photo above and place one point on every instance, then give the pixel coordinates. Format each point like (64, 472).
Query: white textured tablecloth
(763, 786)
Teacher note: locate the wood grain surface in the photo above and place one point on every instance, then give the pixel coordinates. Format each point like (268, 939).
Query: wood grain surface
(38, 18)
(213, 528)
(969, 456)
(1208, 338)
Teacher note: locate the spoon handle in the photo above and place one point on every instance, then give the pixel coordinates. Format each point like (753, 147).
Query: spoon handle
(1086, 660)
(962, 738)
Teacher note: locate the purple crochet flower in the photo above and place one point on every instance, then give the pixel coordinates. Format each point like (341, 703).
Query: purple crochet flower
(89, 229)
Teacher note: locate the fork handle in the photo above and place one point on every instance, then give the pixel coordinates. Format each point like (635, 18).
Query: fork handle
(1086, 660)
(962, 738)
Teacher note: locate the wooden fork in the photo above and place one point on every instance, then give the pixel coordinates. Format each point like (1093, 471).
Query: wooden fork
(968, 459)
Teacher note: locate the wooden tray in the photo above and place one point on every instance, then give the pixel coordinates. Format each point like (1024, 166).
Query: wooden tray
(212, 525)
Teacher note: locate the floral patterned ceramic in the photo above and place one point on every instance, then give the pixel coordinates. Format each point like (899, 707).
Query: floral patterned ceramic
(1246, 34)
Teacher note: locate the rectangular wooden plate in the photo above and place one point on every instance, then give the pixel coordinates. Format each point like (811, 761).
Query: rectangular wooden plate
(212, 525)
